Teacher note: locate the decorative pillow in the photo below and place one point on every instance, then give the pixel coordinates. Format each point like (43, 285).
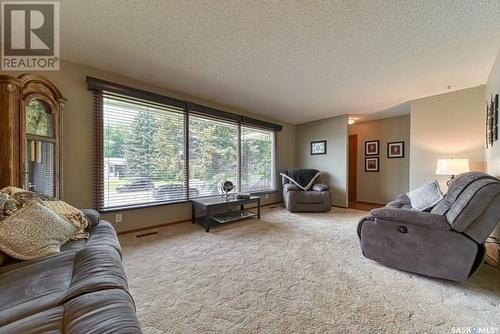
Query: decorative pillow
(71, 214)
(24, 196)
(425, 197)
(11, 190)
(34, 231)
(320, 187)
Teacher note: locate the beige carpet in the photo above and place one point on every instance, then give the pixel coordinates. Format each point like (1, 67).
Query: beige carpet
(291, 273)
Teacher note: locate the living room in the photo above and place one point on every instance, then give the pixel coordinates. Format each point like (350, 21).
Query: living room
(250, 167)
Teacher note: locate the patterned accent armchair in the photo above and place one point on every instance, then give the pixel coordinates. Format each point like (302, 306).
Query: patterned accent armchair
(302, 191)
(447, 242)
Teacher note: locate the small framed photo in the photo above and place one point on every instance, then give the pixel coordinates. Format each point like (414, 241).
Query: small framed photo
(372, 147)
(318, 147)
(371, 165)
(396, 149)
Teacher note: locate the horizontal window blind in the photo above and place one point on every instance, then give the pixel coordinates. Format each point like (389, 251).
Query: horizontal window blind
(143, 153)
(152, 149)
(213, 155)
(257, 159)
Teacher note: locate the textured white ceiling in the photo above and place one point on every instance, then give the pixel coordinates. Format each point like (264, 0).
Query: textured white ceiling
(295, 61)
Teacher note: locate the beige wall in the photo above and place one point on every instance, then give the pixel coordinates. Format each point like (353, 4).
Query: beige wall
(393, 178)
(333, 165)
(492, 88)
(78, 146)
(443, 126)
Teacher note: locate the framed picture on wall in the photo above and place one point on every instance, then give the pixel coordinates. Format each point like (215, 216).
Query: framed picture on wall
(372, 147)
(371, 164)
(318, 147)
(396, 149)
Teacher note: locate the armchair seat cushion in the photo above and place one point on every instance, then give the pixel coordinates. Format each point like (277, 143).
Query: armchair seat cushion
(310, 197)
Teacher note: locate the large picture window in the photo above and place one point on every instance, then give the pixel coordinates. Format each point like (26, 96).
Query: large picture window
(213, 155)
(150, 153)
(257, 159)
(143, 160)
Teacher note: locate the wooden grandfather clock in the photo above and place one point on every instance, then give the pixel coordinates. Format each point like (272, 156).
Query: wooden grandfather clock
(31, 110)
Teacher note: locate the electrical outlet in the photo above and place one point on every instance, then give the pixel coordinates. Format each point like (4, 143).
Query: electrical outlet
(118, 218)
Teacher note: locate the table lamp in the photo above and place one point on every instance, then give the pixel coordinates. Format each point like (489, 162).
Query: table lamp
(452, 167)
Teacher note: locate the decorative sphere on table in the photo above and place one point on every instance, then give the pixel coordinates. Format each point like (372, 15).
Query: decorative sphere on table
(227, 186)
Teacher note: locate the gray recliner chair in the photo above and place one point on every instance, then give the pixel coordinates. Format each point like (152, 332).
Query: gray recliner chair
(303, 192)
(447, 242)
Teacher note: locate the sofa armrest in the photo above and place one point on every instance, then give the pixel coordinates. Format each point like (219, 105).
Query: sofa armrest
(320, 187)
(92, 215)
(414, 217)
(290, 187)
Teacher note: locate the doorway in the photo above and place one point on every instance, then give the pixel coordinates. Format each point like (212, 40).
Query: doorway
(353, 168)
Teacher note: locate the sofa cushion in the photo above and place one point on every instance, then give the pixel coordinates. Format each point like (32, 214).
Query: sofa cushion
(34, 231)
(30, 287)
(34, 286)
(96, 268)
(425, 197)
(107, 311)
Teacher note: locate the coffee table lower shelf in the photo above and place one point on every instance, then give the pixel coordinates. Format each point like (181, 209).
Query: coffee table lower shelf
(228, 217)
(223, 210)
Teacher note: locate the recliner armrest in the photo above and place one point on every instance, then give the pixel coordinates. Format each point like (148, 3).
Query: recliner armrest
(415, 217)
(290, 187)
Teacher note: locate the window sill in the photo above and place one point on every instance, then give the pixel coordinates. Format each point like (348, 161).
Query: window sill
(152, 205)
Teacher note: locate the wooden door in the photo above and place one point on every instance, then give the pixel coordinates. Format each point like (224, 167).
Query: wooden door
(353, 167)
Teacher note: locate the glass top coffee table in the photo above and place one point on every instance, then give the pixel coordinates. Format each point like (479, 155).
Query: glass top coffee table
(222, 210)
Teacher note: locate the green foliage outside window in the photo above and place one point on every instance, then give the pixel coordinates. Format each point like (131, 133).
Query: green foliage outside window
(39, 120)
(152, 143)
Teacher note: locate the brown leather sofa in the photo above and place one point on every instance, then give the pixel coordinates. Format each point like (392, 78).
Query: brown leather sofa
(83, 289)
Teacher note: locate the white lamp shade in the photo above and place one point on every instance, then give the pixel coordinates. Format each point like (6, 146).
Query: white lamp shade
(452, 166)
